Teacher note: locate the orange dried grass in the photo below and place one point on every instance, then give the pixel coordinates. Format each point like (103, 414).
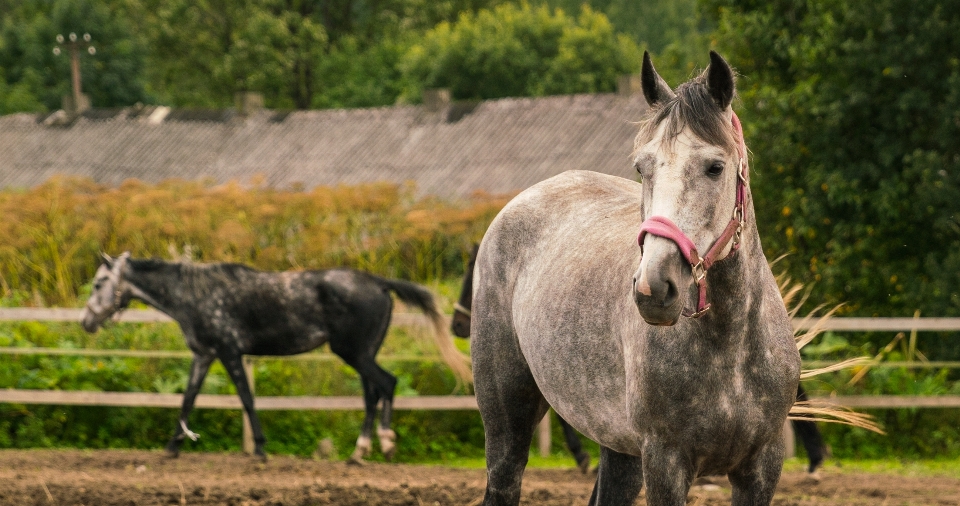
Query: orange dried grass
(50, 236)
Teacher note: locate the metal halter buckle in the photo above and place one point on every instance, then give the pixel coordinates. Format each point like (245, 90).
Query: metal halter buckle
(698, 271)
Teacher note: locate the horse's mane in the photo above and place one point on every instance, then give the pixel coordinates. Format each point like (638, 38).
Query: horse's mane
(694, 107)
(197, 278)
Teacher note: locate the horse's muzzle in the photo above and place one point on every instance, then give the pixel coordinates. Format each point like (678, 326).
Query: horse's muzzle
(90, 322)
(460, 325)
(660, 286)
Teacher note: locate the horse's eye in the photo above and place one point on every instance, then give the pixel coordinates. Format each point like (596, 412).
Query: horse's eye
(97, 286)
(715, 169)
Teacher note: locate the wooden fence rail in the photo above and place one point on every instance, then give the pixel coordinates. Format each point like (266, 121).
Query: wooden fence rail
(448, 402)
(838, 324)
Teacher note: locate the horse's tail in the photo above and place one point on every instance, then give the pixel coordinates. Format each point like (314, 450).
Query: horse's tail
(417, 295)
(817, 410)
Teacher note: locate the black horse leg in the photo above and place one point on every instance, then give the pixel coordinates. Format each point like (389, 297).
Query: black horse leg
(198, 371)
(511, 406)
(619, 479)
(810, 437)
(377, 384)
(233, 363)
(576, 448)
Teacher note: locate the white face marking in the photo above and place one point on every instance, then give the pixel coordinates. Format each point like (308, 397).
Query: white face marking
(102, 293)
(669, 177)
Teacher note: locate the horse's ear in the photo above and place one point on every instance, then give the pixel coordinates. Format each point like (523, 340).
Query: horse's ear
(720, 80)
(655, 89)
(107, 260)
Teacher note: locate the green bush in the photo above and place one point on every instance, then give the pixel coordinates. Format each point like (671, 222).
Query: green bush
(520, 51)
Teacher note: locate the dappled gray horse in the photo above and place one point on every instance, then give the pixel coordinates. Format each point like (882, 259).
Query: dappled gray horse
(569, 312)
(227, 310)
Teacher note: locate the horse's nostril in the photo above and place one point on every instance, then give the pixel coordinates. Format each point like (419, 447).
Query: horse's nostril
(671, 296)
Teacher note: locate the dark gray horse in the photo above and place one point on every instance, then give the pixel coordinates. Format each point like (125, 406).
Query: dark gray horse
(568, 312)
(227, 310)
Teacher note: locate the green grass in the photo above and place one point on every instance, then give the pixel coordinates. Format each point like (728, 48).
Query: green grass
(554, 461)
(934, 467)
(897, 467)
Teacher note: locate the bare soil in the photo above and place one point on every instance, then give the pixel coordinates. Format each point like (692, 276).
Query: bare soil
(126, 477)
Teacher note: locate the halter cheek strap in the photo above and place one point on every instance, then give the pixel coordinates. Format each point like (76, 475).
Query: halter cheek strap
(661, 226)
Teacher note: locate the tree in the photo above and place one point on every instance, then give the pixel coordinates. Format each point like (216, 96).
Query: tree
(519, 51)
(852, 111)
(34, 75)
(203, 52)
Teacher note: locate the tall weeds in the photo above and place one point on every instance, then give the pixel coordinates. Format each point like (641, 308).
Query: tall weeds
(50, 236)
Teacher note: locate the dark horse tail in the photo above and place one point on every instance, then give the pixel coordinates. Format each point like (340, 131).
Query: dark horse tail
(416, 295)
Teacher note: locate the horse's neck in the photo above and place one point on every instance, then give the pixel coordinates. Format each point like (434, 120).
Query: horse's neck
(740, 283)
(161, 288)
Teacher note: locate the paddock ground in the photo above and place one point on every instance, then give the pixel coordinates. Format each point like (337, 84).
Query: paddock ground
(127, 477)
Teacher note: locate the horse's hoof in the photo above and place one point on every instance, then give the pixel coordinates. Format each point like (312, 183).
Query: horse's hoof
(583, 463)
(387, 442)
(362, 450)
(171, 451)
(388, 454)
(355, 460)
(812, 478)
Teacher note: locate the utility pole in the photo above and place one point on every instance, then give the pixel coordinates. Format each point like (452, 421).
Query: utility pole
(74, 46)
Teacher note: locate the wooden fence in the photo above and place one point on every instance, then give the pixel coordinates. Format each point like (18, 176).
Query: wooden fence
(448, 402)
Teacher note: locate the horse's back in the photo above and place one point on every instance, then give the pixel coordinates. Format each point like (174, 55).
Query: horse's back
(554, 271)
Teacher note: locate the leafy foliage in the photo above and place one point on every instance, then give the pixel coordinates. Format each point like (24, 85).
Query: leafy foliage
(911, 433)
(422, 435)
(303, 53)
(36, 79)
(852, 110)
(520, 51)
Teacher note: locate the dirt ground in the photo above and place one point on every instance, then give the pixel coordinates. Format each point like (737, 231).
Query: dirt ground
(124, 477)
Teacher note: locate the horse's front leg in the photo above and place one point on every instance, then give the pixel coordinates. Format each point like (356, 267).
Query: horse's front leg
(667, 473)
(755, 481)
(198, 371)
(233, 363)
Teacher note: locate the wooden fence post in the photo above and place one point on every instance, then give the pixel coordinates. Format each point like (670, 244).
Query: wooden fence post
(789, 441)
(248, 445)
(543, 435)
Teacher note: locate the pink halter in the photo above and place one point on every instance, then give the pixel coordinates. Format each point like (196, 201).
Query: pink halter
(663, 227)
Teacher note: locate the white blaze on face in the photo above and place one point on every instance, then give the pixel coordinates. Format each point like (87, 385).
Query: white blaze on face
(668, 178)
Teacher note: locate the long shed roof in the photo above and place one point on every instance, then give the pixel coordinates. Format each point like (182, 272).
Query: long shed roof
(498, 146)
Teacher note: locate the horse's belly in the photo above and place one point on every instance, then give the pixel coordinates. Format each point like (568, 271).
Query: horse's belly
(584, 382)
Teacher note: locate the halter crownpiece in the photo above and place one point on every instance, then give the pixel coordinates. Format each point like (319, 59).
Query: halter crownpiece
(661, 226)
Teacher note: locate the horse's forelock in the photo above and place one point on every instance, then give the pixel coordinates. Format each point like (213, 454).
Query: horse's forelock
(694, 107)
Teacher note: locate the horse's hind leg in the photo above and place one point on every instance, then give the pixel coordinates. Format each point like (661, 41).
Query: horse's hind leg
(233, 363)
(576, 448)
(198, 371)
(377, 384)
(619, 479)
(510, 404)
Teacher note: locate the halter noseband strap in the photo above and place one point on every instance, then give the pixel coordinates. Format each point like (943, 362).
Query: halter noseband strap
(661, 226)
(460, 308)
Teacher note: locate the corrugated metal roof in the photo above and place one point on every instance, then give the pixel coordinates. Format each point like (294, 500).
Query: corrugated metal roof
(500, 146)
